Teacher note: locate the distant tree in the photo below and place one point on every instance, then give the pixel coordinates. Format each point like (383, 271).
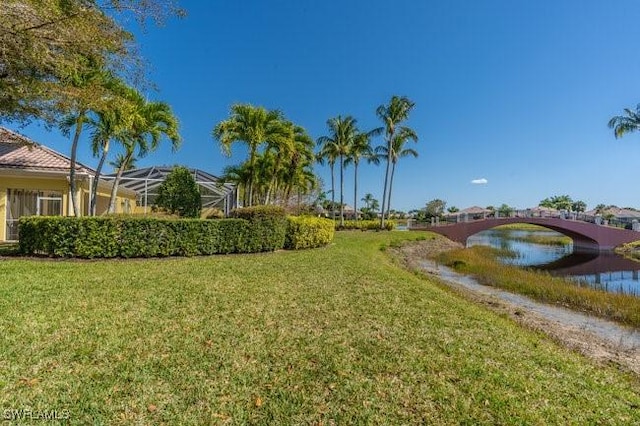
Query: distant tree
(180, 194)
(371, 206)
(600, 208)
(627, 123)
(558, 202)
(453, 209)
(505, 210)
(435, 208)
(579, 206)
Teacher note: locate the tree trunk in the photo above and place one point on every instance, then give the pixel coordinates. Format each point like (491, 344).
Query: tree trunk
(386, 181)
(341, 191)
(72, 169)
(274, 181)
(116, 182)
(333, 193)
(252, 177)
(393, 170)
(94, 189)
(355, 189)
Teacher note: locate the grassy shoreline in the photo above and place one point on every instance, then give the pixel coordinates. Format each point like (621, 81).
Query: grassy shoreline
(560, 240)
(334, 335)
(481, 262)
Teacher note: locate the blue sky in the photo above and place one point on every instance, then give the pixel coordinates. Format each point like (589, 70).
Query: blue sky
(518, 93)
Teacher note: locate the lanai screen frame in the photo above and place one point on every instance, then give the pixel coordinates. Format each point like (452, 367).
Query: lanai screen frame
(145, 181)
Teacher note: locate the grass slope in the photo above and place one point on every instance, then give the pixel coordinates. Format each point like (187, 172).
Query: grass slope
(339, 334)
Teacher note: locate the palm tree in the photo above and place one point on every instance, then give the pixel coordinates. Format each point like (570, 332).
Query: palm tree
(402, 136)
(239, 175)
(368, 200)
(111, 124)
(342, 132)
(297, 170)
(329, 153)
(392, 115)
(92, 84)
(153, 121)
(361, 148)
(253, 126)
(623, 124)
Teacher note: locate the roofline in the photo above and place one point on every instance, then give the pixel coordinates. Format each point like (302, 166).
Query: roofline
(82, 176)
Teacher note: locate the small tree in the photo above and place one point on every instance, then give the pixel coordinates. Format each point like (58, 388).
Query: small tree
(180, 194)
(435, 208)
(505, 210)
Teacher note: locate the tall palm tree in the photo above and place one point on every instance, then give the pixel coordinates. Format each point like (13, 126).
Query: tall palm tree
(110, 125)
(623, 124)
(297, 170)
(105, 125)
(286, 148)
(92, 85)
(342, 132)
(396, 112)
(398, 150)
(329, 153)
(153, 122)
(253, 126)
(361, 149)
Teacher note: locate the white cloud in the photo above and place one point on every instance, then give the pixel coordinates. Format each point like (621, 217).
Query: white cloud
(481, 181)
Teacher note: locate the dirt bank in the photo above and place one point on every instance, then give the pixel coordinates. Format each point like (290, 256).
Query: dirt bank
(604, 350)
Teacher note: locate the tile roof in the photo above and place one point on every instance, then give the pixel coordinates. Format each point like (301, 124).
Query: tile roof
(19, 152)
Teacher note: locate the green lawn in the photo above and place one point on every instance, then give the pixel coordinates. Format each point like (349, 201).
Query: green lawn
(307, 337)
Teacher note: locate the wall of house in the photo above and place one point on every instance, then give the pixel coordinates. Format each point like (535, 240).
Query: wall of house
(58, 184)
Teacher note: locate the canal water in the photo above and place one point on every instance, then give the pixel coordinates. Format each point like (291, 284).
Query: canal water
(604, 271)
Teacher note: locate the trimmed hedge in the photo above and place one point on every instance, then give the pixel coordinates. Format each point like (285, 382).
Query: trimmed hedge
(269, 226)
(365, 225)
(308, 232)
(253, 230)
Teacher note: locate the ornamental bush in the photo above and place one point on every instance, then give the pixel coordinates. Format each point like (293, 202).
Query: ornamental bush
(180, 194)
(308, 232)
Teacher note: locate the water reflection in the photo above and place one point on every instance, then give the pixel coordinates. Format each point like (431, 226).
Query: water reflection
(605, 271)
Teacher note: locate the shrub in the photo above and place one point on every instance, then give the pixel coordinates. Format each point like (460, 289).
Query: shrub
(365, 225)
(180, 194)
(308, 232)
(96, 237)
(269, 227)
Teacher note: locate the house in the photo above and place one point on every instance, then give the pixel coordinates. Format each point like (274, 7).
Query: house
(34, 180)
(470, 213)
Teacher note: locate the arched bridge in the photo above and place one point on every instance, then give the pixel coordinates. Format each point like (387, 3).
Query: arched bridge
(586, 236)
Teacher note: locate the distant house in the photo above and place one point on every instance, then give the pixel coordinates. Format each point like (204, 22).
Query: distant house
(540, 211)
(34, 180)
(470, 213)
(620, 215)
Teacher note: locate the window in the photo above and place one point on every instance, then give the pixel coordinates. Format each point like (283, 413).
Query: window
(25, 202)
